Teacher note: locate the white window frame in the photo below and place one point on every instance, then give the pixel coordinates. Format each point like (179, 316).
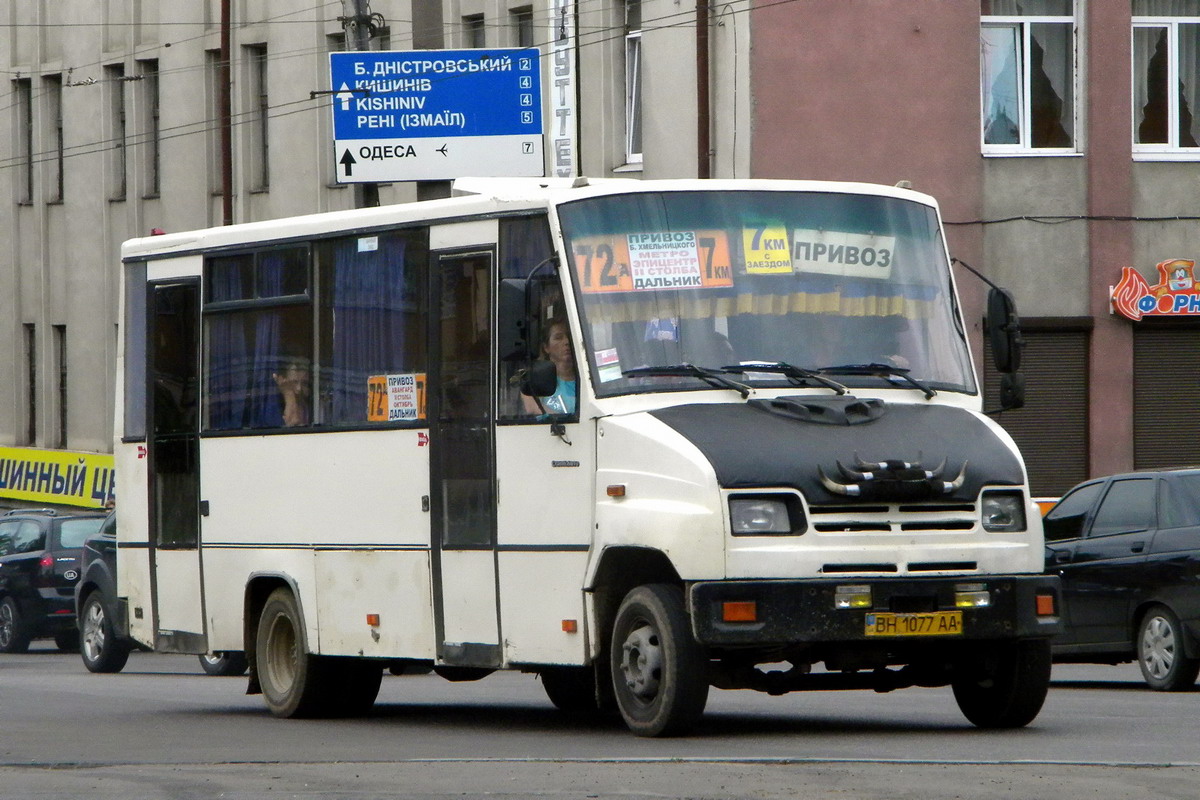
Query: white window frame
(1024, 23)
(1171, 151)
(633, 90)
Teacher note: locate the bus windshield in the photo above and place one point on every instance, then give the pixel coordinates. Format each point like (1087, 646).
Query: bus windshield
(799, 281)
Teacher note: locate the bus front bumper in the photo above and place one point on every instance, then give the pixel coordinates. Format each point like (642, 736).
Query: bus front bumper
(757, 613)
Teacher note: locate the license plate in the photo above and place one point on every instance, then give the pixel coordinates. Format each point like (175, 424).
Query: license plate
(933, 623)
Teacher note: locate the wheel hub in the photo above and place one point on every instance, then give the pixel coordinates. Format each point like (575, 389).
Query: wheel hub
(641, 662)
(7, 627)
(93, 632)
(1158, 647)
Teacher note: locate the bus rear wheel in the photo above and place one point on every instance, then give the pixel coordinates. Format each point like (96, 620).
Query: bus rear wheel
(660, 672)
(293, 681)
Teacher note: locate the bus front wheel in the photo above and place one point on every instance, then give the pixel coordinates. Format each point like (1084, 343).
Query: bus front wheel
(660, 672)
(1005, 684)
(293, 681)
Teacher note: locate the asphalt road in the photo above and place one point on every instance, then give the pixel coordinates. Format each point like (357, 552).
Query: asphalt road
(163, 729)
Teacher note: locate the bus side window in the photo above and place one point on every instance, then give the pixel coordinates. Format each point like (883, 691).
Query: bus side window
(373, 321)
(526, 253)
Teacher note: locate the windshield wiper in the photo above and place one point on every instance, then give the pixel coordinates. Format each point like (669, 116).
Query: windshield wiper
(797, 375)
(880, 370)
(713, 377)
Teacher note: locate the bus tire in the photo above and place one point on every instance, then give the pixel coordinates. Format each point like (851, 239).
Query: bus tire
(225, 663)
(1005, 686)
(294, 682)
(660, 672)
(355, 686)
(572, 690)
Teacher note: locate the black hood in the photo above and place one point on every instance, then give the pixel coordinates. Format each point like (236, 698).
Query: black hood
(866, 450)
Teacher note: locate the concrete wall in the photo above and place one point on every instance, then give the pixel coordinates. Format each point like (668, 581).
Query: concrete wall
(881, 91)
(61, 259)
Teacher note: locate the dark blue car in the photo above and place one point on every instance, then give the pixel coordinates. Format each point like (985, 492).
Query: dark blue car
(1127, 548)
(39, 565)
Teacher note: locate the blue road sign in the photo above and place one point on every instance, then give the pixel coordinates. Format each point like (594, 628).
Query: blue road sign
(436, 114)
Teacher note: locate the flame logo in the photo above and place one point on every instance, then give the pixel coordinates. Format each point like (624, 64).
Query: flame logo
(1128, 292)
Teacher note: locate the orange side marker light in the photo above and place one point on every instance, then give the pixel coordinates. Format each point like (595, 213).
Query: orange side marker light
(739, 611)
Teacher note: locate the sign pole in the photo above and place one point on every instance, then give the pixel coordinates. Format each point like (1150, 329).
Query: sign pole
(366, 195)
(427, 35)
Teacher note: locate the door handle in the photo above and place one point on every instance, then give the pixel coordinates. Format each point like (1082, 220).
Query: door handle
(1137, 548)
(1061, 556)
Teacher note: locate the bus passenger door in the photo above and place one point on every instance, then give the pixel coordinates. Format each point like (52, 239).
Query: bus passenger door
(173, 427)
(462, 483)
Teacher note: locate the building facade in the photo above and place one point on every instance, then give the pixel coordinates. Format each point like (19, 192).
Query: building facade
(1060, 137)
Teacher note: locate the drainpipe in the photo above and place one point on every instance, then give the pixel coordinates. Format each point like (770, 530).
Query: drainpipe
(703, 120)
(225, 101)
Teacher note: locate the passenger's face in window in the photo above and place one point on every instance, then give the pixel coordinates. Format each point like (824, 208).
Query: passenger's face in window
(558, 350)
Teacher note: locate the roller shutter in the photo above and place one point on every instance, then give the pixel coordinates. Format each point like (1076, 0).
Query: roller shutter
(1166, 397)
(1052, 428)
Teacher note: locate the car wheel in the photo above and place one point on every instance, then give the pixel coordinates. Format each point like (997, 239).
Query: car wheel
(660, 672)
(229, 662)
(98, 645)
(1160, 652)
(1005, 685)
(14, 634)
(294, 682)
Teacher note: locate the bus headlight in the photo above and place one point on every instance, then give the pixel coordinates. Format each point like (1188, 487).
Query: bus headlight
(762, 516)
(1003, 512)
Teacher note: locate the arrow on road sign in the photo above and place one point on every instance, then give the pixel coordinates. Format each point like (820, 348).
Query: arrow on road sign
(348, 161)
(345, 95)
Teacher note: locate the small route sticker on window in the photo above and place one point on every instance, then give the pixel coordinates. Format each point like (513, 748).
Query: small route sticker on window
(396, 398)
(608, 365)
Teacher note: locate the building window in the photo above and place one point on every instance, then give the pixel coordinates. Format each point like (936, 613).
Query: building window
(1028, 72)
(633, 81)
(1166, 77)
(31, 417)
(53, 87)
(114, 85)
(522, 27)
(23, 87)
(151, 134)
(257, 107)
(60, 371)
(474, 34)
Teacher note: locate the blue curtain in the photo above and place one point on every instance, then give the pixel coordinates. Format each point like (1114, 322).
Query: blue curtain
(370, 300)
(227, 367)
(265, 405)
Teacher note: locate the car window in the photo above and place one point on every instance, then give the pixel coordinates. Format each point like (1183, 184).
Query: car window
(1180, 506)
(29, 537)
(73, 532)
(7, 529)
(1128, 506)
(1065, 520)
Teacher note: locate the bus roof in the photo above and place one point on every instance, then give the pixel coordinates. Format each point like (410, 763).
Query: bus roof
(473, 197)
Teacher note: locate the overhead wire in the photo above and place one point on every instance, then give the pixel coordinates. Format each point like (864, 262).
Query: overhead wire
(597, 35)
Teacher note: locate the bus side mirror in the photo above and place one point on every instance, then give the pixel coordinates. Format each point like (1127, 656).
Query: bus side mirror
(513, 335)
(540, 380)
(1004, 330)
(1012, 390)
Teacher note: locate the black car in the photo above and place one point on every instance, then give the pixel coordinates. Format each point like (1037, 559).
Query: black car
(103, 643)
(1127, 548)
(39, 565)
